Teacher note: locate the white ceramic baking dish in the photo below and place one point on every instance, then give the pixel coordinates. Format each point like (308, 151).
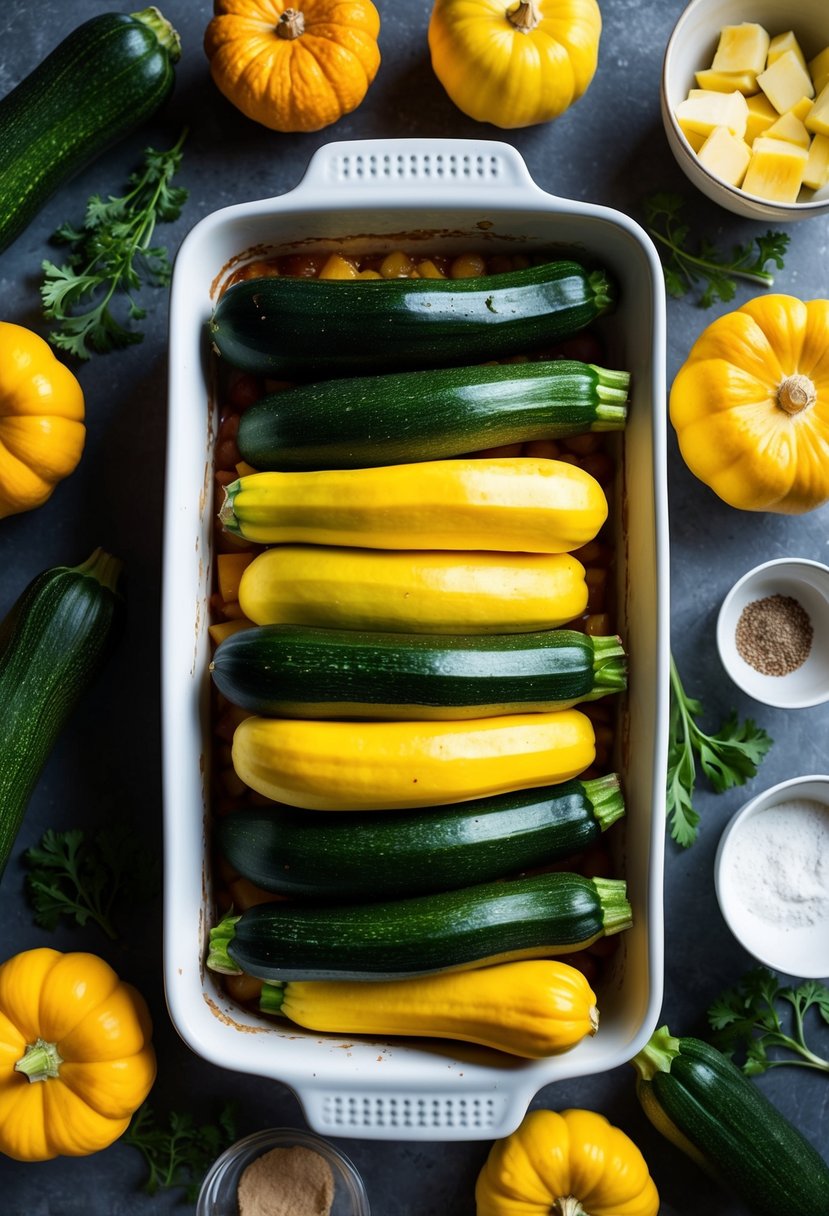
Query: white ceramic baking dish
(444, 195)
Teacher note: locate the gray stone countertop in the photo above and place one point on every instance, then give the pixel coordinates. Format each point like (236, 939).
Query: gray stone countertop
(610, 148)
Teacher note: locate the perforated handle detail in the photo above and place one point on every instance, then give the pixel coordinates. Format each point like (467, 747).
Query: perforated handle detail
(412, 1116)
(406, 164)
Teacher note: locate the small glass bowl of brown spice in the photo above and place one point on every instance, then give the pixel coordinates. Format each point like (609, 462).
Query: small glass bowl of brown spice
(283, 1171)
(773, 633)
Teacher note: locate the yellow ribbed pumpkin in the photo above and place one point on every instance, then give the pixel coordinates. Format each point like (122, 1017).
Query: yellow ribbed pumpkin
(751, 405)
(574, 1163)
(293, 67)
(41, 420)
(514, 63)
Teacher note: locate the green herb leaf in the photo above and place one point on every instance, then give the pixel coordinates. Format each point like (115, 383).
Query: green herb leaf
(749, 1020)
(728, 758)
(82, 880)
(708, 268)
(180, 1154)
(109, 257)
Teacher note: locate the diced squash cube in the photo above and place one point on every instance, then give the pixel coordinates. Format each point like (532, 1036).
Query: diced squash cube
(801, 109)
(775, 171)
(727, 82)
(785, 82)
(742, 48)
(223, 629)
(761, 114)
(703, 110)
(725, 155)
(695, 139)
(817, 120)
(338, 268)
(782, 43)
(819, 70)
(790, 128)
(243, 469)
(231, 567)
(816, 173)
(232, 611)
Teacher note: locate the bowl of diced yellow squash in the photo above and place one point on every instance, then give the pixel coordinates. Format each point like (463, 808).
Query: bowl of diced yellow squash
(745, 104)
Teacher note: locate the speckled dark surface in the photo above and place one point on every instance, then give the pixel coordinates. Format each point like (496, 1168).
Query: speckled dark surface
(609, 148)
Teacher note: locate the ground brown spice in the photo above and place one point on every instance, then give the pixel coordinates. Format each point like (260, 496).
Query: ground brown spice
(287, 1182)
(774, 635)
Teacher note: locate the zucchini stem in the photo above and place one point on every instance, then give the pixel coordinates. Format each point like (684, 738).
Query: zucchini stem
(617, 914)
(166, 34)
(605, 796)
(610, 666)
(657, 1055)
(102, 566)
(604, 292)
(221, 936)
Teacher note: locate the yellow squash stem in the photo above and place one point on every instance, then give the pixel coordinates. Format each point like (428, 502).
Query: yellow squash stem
(40, 1061)
(525, 17)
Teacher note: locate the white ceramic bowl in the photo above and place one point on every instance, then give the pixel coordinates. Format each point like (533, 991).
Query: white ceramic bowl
(808, 583)
(691, 47)
(803, 950)
(451, 195)
(219, 1189)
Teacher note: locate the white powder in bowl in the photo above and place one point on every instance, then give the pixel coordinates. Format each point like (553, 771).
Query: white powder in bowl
(780, 864)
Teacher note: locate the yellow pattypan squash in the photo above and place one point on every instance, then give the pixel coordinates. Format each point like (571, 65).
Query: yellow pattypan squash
(41, 420)
(571, 1164)
(75, 1055)
(751, 405)
(294, 68)
(514, 62)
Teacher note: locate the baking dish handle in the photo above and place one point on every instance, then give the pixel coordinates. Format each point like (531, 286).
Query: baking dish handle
(414, 165)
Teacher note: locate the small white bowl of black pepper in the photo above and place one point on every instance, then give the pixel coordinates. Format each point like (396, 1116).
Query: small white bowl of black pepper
(773, 633)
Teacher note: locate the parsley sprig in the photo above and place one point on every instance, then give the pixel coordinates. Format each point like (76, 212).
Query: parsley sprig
(751, 1019)
(728, 758)
(684, 270)
(108, 255)
(181, 1153)
(84, 880)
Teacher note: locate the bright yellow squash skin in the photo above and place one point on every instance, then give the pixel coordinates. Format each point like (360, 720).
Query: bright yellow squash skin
(412, 591)
(513, 62)
(522, 504)
(41, 420)
(574, 1163)
(84, 1041)
(751, 405)
(368, 766)
(533, 1009)
(293, 67)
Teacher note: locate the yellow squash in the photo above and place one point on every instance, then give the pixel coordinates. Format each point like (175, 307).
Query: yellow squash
(41, 420)
(75, 1055)
(514, 62)
(751, 405)
(293, 67)
(412, 592)
(369, 766)
(571, 1164)
(534, 1008)
(518, 504)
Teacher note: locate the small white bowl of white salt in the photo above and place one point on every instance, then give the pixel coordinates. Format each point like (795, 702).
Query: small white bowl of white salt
(771, 875)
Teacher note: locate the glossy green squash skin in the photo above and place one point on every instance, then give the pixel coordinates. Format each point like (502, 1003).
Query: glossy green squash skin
(105, 79)
(51, 646)
(302, 671)
(409, 416)
(531, 917)
(699, 1100)
(363, 855)
(301, 328)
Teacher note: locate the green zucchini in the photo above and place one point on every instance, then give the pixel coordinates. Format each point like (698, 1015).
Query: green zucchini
(53, 643)
(363, 855)
(704, 1105)
(534, 917)
(412, 416)
(300, 328)
(300, 671)
(105, 79)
